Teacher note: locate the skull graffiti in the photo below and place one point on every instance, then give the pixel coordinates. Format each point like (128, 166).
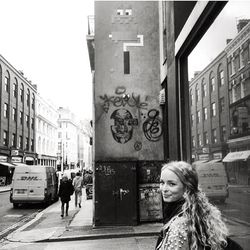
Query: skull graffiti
(122, 130)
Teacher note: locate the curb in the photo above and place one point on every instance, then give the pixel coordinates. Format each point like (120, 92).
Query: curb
(100, 236)
(5, 190)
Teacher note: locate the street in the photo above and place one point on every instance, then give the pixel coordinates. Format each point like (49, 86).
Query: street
(12, 218)
(235, 211)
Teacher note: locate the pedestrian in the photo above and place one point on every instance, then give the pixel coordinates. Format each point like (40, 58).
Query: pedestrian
(78, 185)
(65, 191)
(191, 222)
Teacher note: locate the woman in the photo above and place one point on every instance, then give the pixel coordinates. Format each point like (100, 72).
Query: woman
(65, 191)
(191, 222)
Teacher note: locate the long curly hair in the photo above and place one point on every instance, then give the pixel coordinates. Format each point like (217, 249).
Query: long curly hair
(205, 225)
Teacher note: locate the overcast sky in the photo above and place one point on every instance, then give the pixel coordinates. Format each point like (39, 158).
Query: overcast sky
(46, 39)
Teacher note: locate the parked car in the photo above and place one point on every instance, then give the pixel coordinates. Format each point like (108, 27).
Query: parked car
(34, 184)
(213, 179)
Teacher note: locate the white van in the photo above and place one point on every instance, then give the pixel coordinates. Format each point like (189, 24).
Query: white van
(213, 179)
(33, 184)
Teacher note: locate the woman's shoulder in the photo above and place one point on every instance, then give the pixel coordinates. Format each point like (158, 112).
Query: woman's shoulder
(178, 233)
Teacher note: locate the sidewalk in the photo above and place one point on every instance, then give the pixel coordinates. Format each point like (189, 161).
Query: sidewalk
(5, 188)
(48, 226)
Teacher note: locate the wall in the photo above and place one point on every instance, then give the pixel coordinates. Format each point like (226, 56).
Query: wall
(128, 118)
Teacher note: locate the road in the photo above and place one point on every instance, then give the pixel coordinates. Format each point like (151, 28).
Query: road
(13, 218)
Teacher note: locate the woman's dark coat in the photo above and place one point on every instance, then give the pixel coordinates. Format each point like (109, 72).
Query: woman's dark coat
(65, 190)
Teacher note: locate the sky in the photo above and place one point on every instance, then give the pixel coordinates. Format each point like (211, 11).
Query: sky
(46, 39)
(214, 41)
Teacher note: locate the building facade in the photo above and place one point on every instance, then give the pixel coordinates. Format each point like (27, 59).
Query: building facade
(209, 111)
(238, 59)
(17, 111)
(67, 140)
(46, 132)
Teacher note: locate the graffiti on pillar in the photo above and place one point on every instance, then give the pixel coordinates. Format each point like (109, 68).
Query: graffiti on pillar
(122, 99)
(122, 128)
(152, 127)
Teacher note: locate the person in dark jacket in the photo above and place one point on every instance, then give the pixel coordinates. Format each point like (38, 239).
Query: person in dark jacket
(65, 191)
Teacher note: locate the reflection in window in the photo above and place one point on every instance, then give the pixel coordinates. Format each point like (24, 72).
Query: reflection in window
(214, 136)
(204, 114)
(205, 138)
(213, 109)
(204, 88)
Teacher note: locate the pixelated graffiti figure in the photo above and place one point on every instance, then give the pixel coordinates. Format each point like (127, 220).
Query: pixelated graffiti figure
(152, 127)
(122, 130)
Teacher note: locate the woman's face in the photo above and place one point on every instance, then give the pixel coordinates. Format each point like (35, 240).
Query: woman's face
(171, 186)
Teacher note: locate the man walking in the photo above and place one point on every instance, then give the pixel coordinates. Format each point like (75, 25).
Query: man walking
(78, 185)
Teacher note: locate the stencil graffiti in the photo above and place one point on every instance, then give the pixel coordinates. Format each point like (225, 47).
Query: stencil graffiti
(152, 127)
(122, 99)
(122, 130)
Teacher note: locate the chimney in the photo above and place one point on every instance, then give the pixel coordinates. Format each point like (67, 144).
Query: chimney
(241, 24)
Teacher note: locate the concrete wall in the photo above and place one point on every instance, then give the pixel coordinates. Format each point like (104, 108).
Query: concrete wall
(128, 117)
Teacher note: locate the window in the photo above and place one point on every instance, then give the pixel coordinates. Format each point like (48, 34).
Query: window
(214, 136)
(5, 138)
(193, 141)
(242, 62)
(204, 89)
(199, 140)
(191, 98)
(198, 116)
(221, 78)
(15, 89)
(222, 104)
(21, 117)
(233, 65)
(32, 123)
(13, 141)
(212, 82)
(27, 143)
(205, 138)
(213, 109)
(32, 145)
(192, 120)
(20, 141)
(21, 92)
(28, 97)
(59, 134)
(6, 82)
(5, 111)
(27, 120)
(223, 133)
(197, 95)
(33, 102)
(204, 114)
(14, 114)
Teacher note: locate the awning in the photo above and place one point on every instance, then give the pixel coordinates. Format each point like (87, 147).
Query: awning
(237, 156)
(7, 164)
